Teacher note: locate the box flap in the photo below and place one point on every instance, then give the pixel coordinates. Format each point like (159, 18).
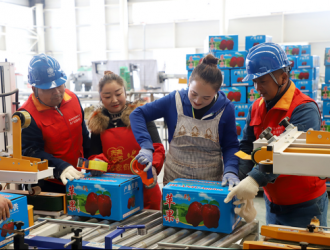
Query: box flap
(107, 178)
(11, 196)
(198, 186)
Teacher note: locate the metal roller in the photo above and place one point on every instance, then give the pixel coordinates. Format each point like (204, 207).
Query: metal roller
(173, 238)
(24, 116)
(158, 237)
(84, 230)
(196, 236)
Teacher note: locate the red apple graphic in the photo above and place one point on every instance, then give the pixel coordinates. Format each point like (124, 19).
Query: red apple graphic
(238, 129)
(304, 63)
(306, 75)
(11, 225)
(237, 96)
(230, 44)
(239, 114)
(243, 113)
(211, 215)
(239, 79)
(104, 204)
(223, 45)
(230, 96)
(255, 44)
(91, 203)
(240, 61)
(133, 202)
(129, 203)
(194, 215)
(302, 87)
(233, 61)
(301, 75)
(292, 63)
(3, 232)
(303, 52)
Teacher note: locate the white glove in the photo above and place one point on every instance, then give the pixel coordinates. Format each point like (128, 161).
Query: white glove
(70, 173)
(247, 189)
(246, 211)
(154, 175)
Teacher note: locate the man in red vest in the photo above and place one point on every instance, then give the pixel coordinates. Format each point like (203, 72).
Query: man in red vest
(290, 200)
(57, 131)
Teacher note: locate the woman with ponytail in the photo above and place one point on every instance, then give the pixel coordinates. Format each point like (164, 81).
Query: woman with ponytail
(201, 127)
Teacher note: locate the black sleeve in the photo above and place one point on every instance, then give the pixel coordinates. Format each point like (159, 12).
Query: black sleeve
(96, 145)
(152, 129)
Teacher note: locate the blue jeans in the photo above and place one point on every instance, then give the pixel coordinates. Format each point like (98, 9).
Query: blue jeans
(298, 215)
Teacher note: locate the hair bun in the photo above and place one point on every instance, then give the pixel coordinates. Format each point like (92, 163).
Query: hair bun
(210, 60)
(108, 72)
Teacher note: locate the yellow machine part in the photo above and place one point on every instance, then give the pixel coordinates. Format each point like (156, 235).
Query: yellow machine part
(269, 245)
(30, 214)
(317, 137)
(257, 156)
(296, 235)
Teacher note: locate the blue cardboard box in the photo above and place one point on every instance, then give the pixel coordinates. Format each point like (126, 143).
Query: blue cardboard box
(306, 86)
(235, 94)
(312, 94)
(252, 94)
(327, 75)
(237, 76)
(316, 73)
(199, 205)
(325, 125)
(240, 124)
(325, 92)
(193, 60)
(305, 50)
(326, 110)
(220, 43)
(292, 50)
(18, 213)
(251, 41)
(327, 57)
(308, 62)
(225, 77)
(110, 196)
(231, 60)
(293, 60)
(302, 74)
(241, 111)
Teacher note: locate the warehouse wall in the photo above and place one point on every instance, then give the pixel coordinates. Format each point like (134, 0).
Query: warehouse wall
(163, 41)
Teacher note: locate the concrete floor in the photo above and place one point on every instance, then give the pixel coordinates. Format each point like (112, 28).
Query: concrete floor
(259, 203)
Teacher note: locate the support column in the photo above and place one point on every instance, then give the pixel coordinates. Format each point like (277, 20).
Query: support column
(69, 36)
(123, 17)
(223, 25)
(98, 32)
(40, 27)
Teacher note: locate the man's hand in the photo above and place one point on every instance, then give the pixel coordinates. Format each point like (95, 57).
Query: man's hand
(247, 189)
(246, 211)
(5, 206)
(231, 179)
(145, 156)
(70, 173)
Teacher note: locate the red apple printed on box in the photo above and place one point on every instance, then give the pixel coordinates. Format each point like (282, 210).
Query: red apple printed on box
(238, 129)
(131, 202)
(203, 213)
(98, 203)
(234, 96)
(8, 225)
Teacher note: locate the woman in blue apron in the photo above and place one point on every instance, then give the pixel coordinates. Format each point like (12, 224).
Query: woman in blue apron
(201, 127)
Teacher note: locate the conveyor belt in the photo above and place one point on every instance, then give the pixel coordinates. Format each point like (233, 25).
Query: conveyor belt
(158, 236)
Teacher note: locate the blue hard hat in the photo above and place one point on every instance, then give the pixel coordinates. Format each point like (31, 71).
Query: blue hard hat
(45, 72)
(265, 58)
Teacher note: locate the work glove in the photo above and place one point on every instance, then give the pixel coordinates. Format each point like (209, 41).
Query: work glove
(154, 175)
(5, 206)
(246, 211)
(70, 173)
(144, 156)
(230, 178)
(247, 189)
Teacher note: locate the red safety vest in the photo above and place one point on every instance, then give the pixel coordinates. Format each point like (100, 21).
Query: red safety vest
(287, 189)
(62, 134)
(120, 148)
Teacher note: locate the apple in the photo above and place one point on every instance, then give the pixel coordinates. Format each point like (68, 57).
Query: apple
(211, 215)
(91, 203)
(223, 45)
(230, 44)
(238, 129)
(237, 96)
(233, 62)
(240, 61)
(194, 214)
(230, 96)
